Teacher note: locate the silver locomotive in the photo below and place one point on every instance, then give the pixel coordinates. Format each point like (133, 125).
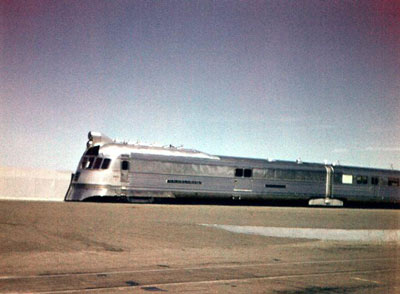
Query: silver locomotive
(142, 172)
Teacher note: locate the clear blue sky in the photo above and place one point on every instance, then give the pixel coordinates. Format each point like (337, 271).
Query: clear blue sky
(278, 79)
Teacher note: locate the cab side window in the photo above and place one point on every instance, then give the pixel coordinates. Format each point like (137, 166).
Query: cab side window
(125, 165)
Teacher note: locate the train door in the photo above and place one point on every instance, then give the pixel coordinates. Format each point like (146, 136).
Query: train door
(243, 180)
(329, 181)
(375, 188)
(124, 172)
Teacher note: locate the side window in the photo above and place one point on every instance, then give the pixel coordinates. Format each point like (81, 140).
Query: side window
(362, 180)
(393, 182)
(125, 165)
(248, 173)
(374, 181)
(347, 179)
(106, 163)
(239, 172)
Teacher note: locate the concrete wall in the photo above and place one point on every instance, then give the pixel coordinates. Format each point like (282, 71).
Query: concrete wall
(33, 184)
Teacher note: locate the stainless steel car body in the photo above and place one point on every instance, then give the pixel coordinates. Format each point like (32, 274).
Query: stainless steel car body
(109, 168)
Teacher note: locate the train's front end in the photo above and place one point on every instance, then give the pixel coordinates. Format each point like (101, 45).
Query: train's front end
(94, 176)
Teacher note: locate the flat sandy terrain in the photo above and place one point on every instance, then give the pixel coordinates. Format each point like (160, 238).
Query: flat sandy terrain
(127, 248)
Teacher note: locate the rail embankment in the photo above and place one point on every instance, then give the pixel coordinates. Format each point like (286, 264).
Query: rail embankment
(33, 184)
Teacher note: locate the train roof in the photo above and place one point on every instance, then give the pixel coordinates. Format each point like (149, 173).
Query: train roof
(118, 149)
(258, 162)
(171, 153)
(113, 147)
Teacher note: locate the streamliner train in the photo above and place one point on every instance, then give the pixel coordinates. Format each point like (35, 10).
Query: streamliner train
(144, 172)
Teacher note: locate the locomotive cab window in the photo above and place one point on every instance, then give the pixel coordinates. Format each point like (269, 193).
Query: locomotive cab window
(125, 165)
(85, 163)
(106, 163)
(97, 163)
(91, 161)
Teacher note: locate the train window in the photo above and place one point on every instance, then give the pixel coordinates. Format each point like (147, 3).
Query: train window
(239, 172)
(374, 181)
(106, 163)
(248, 173)
(93, 151)
(393, 182)
(347, 179)
(97, 163)
(125, 165)
(91, 161)
(84, 163)
(362, 180)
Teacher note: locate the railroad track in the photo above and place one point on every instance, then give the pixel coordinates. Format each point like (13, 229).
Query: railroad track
(156, 279)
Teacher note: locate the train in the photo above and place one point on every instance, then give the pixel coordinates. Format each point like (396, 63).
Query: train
(144, 173)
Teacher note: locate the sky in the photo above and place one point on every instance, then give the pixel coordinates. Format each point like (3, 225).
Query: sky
(316, 80)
